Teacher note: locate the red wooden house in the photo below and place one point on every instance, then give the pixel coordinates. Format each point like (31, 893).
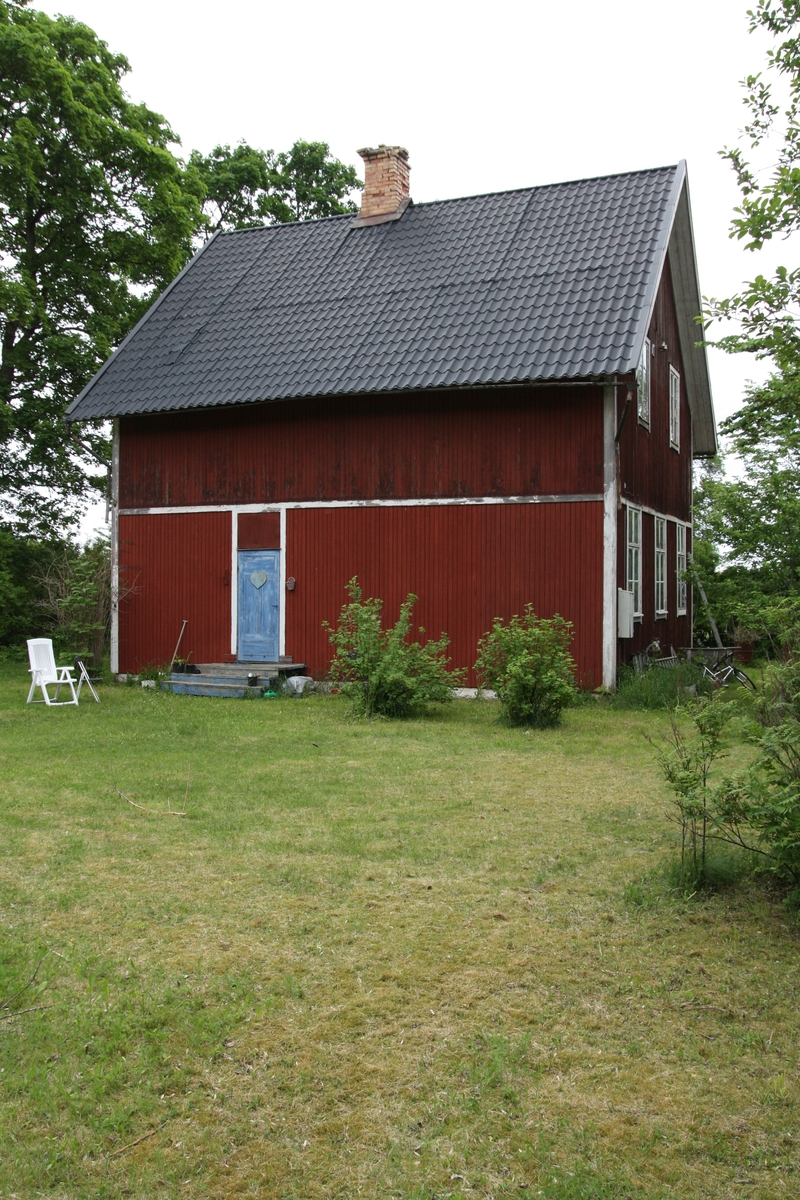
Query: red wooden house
(486, 401)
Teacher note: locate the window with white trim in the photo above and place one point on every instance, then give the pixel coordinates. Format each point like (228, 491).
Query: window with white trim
(680, 567)
(643, 382)
(634, 564)
(661, 565)
(674, 409)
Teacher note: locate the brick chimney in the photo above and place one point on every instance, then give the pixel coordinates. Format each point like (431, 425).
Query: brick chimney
(385, 196)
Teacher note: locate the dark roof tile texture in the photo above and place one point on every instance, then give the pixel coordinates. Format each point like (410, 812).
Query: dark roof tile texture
(543, 283)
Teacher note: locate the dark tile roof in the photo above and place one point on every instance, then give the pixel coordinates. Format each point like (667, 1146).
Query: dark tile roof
(544, 283)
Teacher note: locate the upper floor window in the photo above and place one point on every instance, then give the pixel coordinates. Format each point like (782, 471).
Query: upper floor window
(680, 567)
(643, 383)
(674, 409)
(634, 559)
(661, 565)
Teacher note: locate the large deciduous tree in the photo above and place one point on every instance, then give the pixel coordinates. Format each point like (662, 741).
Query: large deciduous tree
(95, 214)
(244, 187)
(747, 544)
(767, 311)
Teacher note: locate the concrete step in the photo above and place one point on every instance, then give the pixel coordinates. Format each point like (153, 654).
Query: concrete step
(194, 685)
(230, 679)
(240, 670)
(239, 680)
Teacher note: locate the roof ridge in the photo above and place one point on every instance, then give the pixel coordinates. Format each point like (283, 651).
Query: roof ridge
(532, 187)
(540, 187)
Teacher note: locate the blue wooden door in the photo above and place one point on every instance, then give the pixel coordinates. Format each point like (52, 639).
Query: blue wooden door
(259, 600)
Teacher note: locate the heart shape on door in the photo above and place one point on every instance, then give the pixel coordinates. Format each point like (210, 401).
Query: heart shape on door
(258, 578)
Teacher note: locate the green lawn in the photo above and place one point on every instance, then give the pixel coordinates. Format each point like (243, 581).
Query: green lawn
(421, 959)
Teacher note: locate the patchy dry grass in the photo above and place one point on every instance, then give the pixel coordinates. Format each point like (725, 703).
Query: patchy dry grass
(423, 959)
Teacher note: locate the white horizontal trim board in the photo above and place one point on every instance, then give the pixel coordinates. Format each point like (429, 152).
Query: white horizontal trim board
(653, 512)
(283, 506)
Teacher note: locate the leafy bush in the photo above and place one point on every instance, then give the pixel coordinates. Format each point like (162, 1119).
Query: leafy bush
(21, 563)
(687, 761)
(528, 664)
(761, 809)
(659, 687)
(757, 810)
(383, 672)
(77, 599)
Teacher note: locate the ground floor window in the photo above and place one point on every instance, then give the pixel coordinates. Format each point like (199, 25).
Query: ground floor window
(661, 565)
(680, 567)
(634, 566)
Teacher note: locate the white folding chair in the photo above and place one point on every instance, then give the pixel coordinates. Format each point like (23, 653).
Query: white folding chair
(44, 672)
(84, 678)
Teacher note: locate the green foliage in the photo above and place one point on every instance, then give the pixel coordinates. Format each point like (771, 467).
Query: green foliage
(761, 809)
(22, 562)
(659, 689)
(96, 215)
(687, 762)
(747, 548)
(77, 598)
(309, 183)
(528, 664)
(246, 188)
(384, 673)
(236, 184)
(757, 810)
(770, 198)
(747, 528)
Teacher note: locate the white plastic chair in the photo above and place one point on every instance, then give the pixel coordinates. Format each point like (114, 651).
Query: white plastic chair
(44, 671)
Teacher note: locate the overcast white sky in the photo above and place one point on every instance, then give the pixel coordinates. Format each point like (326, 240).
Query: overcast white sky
(485, 97)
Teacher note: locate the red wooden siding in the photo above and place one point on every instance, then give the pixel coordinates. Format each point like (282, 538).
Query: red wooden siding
(655, 475)
(180, 568)
(651, 472)
(259, 531)
(467, 564)
(499, 442)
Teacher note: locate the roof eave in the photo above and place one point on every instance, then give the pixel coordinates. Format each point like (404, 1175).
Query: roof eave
(688, 304)
(676, 247)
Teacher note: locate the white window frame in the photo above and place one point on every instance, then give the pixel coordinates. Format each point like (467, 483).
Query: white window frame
(660, 564)
(680, 568)
(674, 409)
(633, 558)
(643, 381)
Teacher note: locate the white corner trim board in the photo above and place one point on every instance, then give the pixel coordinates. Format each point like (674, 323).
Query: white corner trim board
(610, 523)
(114, 638)
(282, 588)
(234, 580)
(283, 506)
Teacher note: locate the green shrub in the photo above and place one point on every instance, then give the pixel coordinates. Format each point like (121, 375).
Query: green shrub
(687, 760)
(760, 810)
(77, 599)
(383, 672)
(21, 564)
(658, 687)
(528, 665)
(757, 810)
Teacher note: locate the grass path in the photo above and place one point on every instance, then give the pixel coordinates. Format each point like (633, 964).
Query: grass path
(417, 959)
